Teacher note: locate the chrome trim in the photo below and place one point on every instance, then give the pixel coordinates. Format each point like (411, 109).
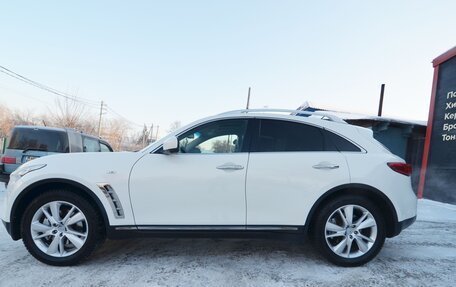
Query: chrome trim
(113, 199)
(230, 166)
(126, 228)
(272, 228)
(325, 166)
(216, 228)
(190, 228)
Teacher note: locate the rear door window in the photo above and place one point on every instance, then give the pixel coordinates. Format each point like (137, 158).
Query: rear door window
(286, 136)
(39, 139)
(338, 143)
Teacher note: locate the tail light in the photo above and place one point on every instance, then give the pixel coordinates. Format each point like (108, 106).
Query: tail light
(8, 160)
(400, 167)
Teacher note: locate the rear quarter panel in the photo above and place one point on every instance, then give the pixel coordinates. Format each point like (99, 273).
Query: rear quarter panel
(372, 169)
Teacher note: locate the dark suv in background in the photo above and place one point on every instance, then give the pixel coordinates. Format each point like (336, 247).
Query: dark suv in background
(29, 142)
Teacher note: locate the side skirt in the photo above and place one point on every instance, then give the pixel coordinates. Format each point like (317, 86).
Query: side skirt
(206, 231)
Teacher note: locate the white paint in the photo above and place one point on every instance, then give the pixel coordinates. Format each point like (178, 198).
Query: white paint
(282, 187)
(189, 189)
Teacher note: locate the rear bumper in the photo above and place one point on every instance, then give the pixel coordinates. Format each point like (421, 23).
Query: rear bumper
(4, 178)
(401, 225)
(10, 168)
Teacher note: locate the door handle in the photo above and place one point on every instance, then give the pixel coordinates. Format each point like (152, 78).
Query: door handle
(325, 165)
(230, 166)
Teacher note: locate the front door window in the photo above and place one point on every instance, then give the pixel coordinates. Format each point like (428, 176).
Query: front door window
(225, 136)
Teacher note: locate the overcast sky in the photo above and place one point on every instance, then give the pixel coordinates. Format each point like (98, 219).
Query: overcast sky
(160, 61)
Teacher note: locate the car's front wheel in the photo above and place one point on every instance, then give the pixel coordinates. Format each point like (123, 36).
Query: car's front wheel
(349, 230)
(60, 228)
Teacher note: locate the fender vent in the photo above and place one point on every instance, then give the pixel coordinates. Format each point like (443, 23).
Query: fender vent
(113, 199)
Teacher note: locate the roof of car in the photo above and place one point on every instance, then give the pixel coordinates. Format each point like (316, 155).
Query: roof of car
(55, 129)
(40, 128)
(281, 113)
(362, 136)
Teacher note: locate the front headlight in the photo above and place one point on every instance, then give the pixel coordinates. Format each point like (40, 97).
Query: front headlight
(23, 171)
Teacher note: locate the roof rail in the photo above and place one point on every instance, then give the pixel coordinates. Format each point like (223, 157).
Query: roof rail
(322, 115)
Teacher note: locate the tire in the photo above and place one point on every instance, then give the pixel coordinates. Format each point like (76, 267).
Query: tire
(64, 239)
(363, 240)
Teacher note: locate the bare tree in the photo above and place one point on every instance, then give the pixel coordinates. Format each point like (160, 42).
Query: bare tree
(222, 146)
(115, 131)
(9, 119)
(70, 113)
(6, 120)
(174, 126)
(25, 117)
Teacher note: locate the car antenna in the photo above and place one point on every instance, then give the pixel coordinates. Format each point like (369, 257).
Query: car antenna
(248, 100)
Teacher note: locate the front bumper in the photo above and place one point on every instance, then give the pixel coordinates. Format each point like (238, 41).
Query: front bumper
(2, 205)
(2, 198)
(7, 227)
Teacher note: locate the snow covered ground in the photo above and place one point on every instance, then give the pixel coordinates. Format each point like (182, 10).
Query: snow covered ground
(423, 255)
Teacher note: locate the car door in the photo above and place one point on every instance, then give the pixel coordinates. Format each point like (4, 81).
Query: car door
(202, 184)
(289, 169)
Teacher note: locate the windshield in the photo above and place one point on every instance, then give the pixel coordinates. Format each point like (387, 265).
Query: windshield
(38, 139)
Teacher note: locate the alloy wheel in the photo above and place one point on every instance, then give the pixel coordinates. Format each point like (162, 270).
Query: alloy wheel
(351, 231)
(59, 228)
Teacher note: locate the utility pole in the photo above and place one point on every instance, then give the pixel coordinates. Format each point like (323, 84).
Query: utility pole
(380, 105)
(144, 135)
(156, 135)
(99, 120)
(151, 132)
(248, 100)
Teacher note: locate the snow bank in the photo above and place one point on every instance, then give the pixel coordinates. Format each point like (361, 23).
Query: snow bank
(434, 211)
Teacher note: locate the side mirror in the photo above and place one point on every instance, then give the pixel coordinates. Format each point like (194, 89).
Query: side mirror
(171, 145)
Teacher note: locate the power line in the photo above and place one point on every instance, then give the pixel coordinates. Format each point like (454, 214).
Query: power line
(24, 95)
(47, 88)
(122, 117)
(17, 76)
(87, 102)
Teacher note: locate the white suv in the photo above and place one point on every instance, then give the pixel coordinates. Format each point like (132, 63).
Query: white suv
(250, 172)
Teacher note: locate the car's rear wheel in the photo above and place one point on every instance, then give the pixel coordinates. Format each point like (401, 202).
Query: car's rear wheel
(349, 230)
(60, 228)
